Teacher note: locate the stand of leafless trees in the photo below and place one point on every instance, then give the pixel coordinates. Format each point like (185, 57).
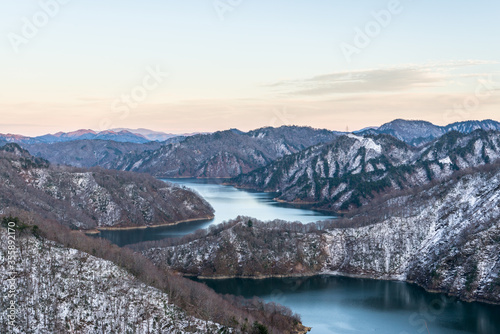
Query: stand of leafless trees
(246, 316)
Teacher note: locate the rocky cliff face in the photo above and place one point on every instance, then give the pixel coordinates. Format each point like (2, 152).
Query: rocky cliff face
(95, 198)
(62, 290)
(444, 237)
(348, 171)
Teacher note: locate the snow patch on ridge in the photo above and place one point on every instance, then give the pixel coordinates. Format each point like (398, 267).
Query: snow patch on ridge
(368, 143)
(445, 161)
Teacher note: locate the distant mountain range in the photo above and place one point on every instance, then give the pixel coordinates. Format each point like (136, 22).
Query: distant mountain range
(413, 132)
(90, 152)
(420, 132)
(222, 154)
(156, 135)
(138, 136)
(225, 153)
(120, 136)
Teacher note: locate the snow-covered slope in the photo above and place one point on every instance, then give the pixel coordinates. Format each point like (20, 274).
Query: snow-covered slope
(224, 153)
(348, 171)
(96, 198)
(421, 132)
(62, 290)
(444, 237)
(470, 126)
(245, 248)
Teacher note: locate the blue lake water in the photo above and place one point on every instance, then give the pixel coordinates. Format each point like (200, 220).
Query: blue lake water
(341, 305)
(326, 303)
(228, 203)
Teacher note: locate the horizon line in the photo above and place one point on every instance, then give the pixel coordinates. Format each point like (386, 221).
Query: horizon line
(130, 130)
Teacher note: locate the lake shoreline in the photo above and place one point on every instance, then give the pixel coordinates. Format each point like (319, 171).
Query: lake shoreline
(337, 274)
(314, 298)
(128, 228)
(260, 277)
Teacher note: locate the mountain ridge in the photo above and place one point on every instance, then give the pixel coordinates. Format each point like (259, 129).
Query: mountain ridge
(92, 198)
(394, 127)
(352, 169)
(226, 153)
(419, 132)
(123, 135)
(442, 236)
(222, 154)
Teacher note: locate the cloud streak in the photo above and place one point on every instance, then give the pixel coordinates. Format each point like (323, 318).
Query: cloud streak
(390, 79)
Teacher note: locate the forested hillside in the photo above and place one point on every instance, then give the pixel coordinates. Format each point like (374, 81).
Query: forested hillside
(353, 169)
(444, 236)
(67, 282)
(418, 133)
(92, 198)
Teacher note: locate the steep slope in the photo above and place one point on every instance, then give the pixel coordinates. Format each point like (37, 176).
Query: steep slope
(421, 132)
(225, 154)
(68, 282)
(444, 237)
(95, 198)
(244, 247)
(63, 290)
(350, 170)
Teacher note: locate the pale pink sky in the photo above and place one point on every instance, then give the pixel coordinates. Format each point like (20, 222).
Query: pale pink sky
(181, 66)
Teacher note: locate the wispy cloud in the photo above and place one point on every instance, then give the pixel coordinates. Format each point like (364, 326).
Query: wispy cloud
(438, 92)
(389, 79)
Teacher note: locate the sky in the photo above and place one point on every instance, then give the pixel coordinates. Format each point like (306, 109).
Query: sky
(207, 65)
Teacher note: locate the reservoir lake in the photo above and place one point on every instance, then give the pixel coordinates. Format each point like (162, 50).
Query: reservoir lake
(328, 304)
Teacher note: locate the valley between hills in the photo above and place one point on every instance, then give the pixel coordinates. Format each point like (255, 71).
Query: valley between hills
(416, 203)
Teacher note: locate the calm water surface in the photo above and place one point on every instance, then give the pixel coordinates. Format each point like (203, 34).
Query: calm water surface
(328, 304)
(340, 305)
(228, 203)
